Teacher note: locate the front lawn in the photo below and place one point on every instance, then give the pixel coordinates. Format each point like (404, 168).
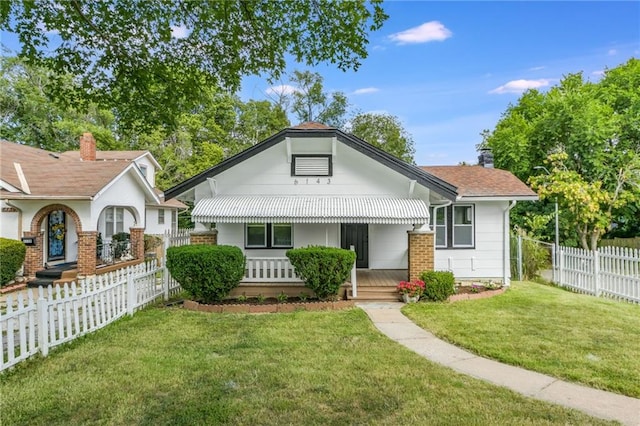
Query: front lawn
(171, 366)
(581, 338)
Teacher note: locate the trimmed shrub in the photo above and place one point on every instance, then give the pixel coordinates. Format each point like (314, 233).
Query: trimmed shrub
(12, 253)
(207, 272)
(119, 244)
(439, 285)
(323, 269)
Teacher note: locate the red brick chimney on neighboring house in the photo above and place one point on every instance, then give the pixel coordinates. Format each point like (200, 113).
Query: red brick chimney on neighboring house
(87, 147)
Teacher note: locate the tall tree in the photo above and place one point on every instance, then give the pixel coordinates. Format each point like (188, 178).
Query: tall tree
(312, 103)
(595, 124)
(29, 114)
(257, 120)
(157, 56)
(384, 131)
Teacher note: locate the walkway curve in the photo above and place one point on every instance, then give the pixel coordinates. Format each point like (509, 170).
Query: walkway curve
(605, 405)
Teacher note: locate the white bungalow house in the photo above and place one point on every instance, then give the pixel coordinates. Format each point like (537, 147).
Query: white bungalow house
(58, 203)
(316, 185)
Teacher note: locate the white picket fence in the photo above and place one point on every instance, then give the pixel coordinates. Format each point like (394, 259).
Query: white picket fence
(34, 324)
(609, 271)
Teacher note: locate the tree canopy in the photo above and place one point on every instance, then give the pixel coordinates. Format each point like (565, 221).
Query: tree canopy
(385, 132)
(155, 57)
(312, 103)
(588, 135)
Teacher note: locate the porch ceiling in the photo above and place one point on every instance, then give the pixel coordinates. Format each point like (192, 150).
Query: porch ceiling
(307, 209)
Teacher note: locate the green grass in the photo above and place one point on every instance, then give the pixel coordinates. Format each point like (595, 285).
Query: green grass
(580, 338)
(171, 366)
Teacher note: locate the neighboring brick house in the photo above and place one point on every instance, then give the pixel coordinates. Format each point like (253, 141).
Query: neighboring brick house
(63, 201)
(316, 185)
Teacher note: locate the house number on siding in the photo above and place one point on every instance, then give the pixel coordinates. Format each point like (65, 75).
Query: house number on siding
(308, 181)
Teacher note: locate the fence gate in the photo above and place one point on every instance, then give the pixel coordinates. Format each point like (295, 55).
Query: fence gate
(531, 258)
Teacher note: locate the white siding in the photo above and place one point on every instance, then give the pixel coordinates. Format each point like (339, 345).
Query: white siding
(151, 169)
(485, 261)
(9, 223)
(152, 225)
(388, 246)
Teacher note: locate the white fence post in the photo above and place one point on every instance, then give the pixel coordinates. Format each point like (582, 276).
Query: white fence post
(354, 285)
(131, 295)
(560, 267)
(554, 264)
(43, 325)
(519, 257)
(596, 272)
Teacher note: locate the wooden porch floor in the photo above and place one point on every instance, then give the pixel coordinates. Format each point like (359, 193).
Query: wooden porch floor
(380, 277)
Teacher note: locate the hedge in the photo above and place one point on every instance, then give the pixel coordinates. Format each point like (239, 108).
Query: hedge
(207, 272)
(439, 285)
(12, 253)
(323, 269)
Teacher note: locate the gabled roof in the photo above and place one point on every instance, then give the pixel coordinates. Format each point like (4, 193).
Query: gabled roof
(115, 155)
(312, 129)
(478, 181)
(32, 173)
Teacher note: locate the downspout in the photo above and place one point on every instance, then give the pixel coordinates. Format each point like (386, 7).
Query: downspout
(506, 261)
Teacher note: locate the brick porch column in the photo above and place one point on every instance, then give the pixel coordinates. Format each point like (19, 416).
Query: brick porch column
(205, 237)
(136, 236)
(33, 260)
(421, 252)
(87, 241)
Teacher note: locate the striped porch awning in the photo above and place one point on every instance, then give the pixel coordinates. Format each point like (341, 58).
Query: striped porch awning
(307, 209)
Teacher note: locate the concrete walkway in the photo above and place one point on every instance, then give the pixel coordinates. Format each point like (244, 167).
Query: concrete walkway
(605, 405)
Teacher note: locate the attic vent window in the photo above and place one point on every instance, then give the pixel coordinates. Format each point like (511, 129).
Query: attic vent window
(311, 165)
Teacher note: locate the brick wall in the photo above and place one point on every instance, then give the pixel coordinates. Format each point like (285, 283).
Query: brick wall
(421, 252)
(205, 237)
(33, 258)
(87, 253)
(87, 147)
(136, 236)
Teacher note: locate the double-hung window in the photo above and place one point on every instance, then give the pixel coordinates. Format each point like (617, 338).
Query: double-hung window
(268, 235)
(161, 217)
(454, 226)
(113, 221)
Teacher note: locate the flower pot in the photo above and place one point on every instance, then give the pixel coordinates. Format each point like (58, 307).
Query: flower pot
(409, 299)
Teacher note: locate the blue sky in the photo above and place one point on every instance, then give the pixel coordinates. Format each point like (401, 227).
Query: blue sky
(449, 70)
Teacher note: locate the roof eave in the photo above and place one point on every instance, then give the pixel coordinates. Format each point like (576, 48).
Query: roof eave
(499, 198)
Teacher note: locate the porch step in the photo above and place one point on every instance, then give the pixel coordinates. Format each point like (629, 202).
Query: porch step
(55, 272)
(41, 282)
(379, 294)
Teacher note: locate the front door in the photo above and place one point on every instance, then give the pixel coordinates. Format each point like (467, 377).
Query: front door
(56, 235)
(357, 235)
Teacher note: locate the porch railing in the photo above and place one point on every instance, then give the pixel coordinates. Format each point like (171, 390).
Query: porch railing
(269, 269)
(114, 252)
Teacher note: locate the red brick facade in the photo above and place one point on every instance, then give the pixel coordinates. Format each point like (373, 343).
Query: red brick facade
(205, 237)
(34, 257)
(136, 236)
(87, 241)
(421, 253)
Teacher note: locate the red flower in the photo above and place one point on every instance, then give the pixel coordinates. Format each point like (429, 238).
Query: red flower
(412, 288)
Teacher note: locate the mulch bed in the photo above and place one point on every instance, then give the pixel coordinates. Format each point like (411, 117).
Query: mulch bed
(470, 293)
(268, 306)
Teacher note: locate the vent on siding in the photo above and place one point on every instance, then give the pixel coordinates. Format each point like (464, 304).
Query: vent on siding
(312, 166)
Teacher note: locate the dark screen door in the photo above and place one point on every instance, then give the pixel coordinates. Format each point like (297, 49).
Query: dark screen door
(357, 235)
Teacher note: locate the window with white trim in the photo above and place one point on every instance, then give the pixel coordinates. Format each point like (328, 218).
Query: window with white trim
(113, 221)
(161, 217)
(454, 226)
(311, 165)
(439, 223)
(268, 235)
(463, 226)
(174, 220)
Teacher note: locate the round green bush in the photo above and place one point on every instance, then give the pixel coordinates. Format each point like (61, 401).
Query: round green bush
(439, 285)
(323, 269)
(12, 253)
(207, 272)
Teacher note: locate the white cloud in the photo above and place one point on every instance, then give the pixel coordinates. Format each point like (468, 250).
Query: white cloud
(179, 31)
(429, 31)
(519, 86)
(612, 52)
(283, 89)
(366, 90)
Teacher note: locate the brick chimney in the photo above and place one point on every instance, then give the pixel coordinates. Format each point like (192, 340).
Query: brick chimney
(87, 147)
